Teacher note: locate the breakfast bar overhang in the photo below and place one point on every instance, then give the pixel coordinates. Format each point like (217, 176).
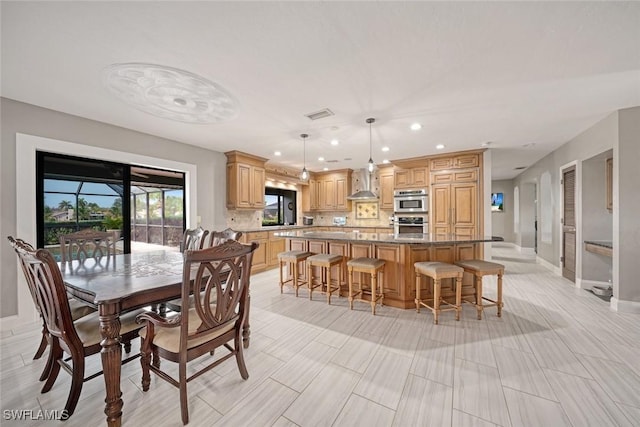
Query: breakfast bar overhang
(400, 253)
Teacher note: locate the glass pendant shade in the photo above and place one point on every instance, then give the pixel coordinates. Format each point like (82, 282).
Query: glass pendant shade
(371, 166)
(304, 175)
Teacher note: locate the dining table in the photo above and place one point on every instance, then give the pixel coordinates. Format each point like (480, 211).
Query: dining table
(120, 283)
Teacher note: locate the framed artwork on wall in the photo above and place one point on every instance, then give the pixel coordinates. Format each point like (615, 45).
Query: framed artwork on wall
(497, 202)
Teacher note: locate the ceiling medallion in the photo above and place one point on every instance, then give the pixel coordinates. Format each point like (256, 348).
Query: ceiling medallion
(170, 93)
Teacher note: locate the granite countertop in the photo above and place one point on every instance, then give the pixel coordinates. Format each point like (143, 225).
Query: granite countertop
(603, 243)
(412, 239)
(300, 227)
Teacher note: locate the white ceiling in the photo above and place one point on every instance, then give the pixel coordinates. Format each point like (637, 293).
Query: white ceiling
(525, 76)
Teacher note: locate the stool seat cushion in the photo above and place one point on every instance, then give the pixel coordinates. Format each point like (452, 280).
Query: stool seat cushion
(324, 258)
(480, 266)
(366, 263)
(438, 269)
(294, 255)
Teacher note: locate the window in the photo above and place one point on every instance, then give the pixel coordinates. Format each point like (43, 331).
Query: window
(279, 207)
(74, 193)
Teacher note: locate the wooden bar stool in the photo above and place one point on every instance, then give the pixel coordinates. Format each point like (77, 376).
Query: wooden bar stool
(371, 266)
(438, 271)
(292, 258)
(479, 269)
(325, 261)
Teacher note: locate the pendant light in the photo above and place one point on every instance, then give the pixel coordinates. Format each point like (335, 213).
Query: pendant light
(370, 166)
(304, 175)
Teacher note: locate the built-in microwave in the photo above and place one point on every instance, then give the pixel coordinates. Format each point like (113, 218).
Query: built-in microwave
(410, 201)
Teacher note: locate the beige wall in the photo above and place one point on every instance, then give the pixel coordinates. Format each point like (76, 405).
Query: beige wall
(502, 222)
(17, 117)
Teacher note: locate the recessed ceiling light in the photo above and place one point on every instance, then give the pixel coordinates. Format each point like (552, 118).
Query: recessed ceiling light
(529, 145)
(385, 161)
(485, 144)
(439, 146)
(277, 153)
(170, 93)
(335, 142)
(385, 149)
(325, 169)
(321, 159)
(416, 126)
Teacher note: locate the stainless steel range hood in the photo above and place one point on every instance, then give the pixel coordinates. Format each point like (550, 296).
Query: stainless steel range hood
(364, 182)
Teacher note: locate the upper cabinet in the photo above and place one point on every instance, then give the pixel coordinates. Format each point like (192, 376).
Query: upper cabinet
(459, 161)
(386, 178)
(328, 191)
(245, 180)
(415, 177)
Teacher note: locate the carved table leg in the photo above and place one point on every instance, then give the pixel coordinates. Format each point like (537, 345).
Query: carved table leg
(111, 356)
(246, 330)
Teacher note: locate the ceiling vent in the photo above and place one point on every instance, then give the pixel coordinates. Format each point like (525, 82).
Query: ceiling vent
(320, 114)
(333, 161)
(519, 168)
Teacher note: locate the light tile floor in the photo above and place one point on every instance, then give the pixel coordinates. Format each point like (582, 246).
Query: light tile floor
(558, 357)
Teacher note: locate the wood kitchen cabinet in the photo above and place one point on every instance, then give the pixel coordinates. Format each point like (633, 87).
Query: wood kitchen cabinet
(328, 192)
(416, 177)
(245, 181)
(386, 180)
(261, 255)
(460, 161)
(454, 208)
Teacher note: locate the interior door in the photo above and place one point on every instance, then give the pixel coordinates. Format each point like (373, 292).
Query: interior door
(569, 224)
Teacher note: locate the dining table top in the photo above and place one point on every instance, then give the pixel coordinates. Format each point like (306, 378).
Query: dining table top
(118, 277)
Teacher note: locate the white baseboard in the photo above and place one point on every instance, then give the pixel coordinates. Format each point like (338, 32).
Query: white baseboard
(624, 306)
(548, 265)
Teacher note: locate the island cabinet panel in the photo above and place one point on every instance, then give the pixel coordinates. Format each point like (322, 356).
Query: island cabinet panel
(415, 254)
(316, 247)
(393, 276)
(339, 248)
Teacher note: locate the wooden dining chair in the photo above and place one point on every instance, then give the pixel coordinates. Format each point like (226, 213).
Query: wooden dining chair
(78, 309)
(79, 338)
(86, 244)
(193, 239)
(206, 325)
(216, 238)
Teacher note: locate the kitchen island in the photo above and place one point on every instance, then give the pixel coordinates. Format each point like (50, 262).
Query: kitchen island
(400, 252)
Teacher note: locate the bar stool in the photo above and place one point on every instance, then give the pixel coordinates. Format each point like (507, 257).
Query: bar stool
(371, 266)
(324, 261)
(438, 271)
(292, 258)
(479, 269)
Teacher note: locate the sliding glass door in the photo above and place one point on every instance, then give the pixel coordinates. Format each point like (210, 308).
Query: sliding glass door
(76, 193)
